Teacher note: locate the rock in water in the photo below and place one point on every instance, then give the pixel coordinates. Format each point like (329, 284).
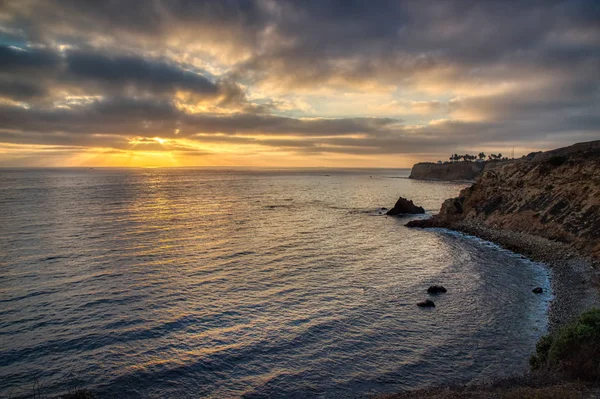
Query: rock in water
(426, 304)
(436, 289)
(404, 206)
(537, 290)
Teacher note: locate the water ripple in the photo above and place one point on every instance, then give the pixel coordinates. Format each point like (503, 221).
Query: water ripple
(259, 284)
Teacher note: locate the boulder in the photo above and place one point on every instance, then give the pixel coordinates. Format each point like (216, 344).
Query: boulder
(404, 207)
(428, 303)
(436, 289)
(537, 290)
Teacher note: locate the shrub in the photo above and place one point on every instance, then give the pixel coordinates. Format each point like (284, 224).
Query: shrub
(574, 350)
(557, 160)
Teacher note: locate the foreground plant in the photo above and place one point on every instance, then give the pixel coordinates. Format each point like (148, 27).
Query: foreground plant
(574, 350)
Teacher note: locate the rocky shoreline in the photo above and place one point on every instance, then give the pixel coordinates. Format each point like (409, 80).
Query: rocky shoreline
(575, 283)
(545, 207)
(575, 279)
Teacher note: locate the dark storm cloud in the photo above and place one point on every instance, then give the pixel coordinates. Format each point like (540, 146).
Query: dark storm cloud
(546, 52)
(562, 97)
(123, 70)
(20, 91)
(391, 40)
(135, 116)
(392, 37)
(96, 73)
(17, 59)
(140, 22)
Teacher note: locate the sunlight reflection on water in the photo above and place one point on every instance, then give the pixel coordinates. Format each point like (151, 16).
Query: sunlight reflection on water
(192, 283)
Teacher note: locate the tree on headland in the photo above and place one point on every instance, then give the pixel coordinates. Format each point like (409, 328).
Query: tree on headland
(465, 157)
(481, 156)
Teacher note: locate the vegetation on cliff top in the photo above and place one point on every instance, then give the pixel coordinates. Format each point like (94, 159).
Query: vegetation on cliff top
(481, 156)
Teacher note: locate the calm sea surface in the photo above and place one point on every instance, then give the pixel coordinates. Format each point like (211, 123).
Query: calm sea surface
(186, 283)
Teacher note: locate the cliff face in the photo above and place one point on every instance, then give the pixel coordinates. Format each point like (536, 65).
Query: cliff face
(447, 171)
(555, 195)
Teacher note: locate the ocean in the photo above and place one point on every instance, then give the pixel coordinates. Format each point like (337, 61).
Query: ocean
(254, 283)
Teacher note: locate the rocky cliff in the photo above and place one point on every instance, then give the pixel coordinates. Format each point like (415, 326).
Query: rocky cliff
(447, 171)
(553, 194)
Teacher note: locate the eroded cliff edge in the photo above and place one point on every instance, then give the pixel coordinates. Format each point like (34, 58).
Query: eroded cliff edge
(547, 207)
(447, 171)
(553, 194)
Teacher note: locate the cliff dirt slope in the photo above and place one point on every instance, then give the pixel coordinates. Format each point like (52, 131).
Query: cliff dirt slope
(553, 194)
(447, 171)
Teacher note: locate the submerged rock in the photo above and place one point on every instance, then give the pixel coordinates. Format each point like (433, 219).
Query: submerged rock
(426, 304)
(537, 290)
(436, 289)
(405, 207)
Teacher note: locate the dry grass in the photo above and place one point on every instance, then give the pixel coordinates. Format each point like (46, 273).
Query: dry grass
(78, 394)
(556, 392)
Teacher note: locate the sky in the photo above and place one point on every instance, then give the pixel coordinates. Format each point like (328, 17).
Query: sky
(290, 83)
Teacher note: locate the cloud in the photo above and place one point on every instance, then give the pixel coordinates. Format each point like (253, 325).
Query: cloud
(20, 91)
(29, 73)
(266, 73)
(135, 116)
(145, 75)
(115, 123)
(15, 59)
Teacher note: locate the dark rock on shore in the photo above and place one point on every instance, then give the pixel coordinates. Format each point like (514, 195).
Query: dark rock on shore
(405, 207)
(428, 303)
(537, 290)
(436, 289)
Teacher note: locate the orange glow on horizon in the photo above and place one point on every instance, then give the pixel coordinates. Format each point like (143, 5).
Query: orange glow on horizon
(212, 156)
